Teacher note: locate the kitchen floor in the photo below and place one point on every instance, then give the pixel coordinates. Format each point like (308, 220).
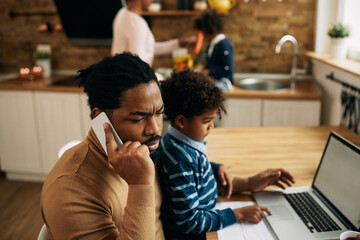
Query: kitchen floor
(20, 216)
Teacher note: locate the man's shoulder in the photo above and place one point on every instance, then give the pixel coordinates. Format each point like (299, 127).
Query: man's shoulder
(71, 160)
(69, 168)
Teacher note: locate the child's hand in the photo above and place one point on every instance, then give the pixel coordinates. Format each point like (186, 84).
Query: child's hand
(224, 182)
(252, 213)
(270, 177)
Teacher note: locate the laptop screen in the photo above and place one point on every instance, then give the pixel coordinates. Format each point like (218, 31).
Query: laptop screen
(338, 177)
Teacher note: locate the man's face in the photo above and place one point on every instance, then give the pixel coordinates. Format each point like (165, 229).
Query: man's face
(199, 127)
(140, 116)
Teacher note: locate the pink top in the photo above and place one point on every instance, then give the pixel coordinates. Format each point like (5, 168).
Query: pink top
(132, 33)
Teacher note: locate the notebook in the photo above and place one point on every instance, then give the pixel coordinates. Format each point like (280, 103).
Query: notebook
(334, 197)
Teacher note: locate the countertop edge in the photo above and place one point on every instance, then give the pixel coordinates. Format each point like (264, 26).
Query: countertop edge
(305, 89)
(347, 65)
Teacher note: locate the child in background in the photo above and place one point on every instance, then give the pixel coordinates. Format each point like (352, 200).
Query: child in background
(187, 178)
(219, 53)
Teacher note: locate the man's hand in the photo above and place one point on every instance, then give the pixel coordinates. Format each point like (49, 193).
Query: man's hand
(131, 161)
(270, 177)
(252, 213)
(224, 182)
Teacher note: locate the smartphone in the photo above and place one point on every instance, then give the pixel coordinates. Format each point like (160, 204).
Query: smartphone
(97, 126)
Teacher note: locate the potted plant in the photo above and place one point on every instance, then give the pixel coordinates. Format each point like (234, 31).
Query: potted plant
(338, 34)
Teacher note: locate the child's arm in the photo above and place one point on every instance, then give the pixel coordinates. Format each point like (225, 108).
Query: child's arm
(188, 214)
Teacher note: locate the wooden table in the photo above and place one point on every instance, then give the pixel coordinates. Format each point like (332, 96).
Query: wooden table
(247, 151)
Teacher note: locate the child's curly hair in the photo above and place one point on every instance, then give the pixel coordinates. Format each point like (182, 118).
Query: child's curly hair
(190, 94)
(209, 22)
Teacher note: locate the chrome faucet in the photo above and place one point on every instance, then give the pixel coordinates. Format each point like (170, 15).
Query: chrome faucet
(294, 57)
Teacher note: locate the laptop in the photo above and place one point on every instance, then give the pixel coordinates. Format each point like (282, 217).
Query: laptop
(334, 197)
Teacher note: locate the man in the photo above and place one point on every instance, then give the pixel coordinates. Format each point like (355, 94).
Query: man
(84, 196)
(89, 195)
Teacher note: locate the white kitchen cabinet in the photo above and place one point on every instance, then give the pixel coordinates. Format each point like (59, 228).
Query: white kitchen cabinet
(59, 118)
(271, 112)
(291, 112)
(34, 125)
(242, 113)
(19, 148)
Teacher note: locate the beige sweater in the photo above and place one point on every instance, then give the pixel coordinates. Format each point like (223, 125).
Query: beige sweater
(82, 198)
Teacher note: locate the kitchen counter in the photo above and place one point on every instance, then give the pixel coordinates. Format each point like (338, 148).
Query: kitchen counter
(247, 151)
(347, 65)
(59, 83)
(305, 88)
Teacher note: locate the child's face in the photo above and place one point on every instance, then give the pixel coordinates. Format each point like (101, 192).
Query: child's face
(199, 127)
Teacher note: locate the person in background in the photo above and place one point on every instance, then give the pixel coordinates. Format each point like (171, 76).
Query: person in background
(89, 195)
(219, 54)
(187, 178)
(132, 33)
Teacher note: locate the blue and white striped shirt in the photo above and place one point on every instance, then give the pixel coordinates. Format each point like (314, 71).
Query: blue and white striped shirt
(189, 189)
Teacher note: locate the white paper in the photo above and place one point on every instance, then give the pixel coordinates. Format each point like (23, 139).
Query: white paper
(244, 230)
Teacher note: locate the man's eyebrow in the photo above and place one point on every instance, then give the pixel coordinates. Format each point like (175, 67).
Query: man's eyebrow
(146, 113)
(162, 108)
(140, 113)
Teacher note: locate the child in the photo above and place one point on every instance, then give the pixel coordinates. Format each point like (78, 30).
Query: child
(219, 53)
(187, 178)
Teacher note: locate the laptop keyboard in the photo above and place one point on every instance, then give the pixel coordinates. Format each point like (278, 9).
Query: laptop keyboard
(314, 217)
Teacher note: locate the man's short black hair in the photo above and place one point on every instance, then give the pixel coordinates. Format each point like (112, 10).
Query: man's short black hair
(106, 81)
(190, 94)
(209, 22)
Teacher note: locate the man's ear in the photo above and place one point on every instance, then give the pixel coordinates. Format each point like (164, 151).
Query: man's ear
(179, 121)
(95, 111)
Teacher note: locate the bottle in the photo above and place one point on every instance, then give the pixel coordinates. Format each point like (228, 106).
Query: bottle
(43, 59)
(200, 5)
(155, 6)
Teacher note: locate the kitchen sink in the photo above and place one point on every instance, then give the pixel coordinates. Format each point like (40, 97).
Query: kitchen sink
(63, 80)
(263, 84)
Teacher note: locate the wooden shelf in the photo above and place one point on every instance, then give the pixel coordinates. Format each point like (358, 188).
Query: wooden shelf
(171, 13)
(175, 13)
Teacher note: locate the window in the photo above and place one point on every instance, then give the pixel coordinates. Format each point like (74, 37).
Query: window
(350, 16)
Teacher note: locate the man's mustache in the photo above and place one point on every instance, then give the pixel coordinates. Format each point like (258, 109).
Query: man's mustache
(152, 138)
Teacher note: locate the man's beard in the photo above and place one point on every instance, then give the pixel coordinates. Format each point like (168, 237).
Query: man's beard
(154, 154)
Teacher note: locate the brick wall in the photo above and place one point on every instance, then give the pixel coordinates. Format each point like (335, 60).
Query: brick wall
(253, 28)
